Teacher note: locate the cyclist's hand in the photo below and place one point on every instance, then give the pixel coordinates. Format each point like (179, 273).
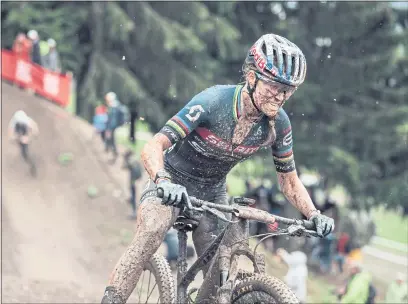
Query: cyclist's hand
(173, 194)
(24, 139)
(324, 224)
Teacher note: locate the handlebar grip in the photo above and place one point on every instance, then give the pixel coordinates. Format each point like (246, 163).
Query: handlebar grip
(309, 225)
(160, 193)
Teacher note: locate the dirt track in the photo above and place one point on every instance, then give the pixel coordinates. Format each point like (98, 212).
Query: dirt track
(58, 244)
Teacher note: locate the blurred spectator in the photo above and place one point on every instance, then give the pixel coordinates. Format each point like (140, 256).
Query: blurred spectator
(22, 47)
(248, 186)
(326, 253)
(135, 173)
(171, 240)
(358, 288)
(355, 254)
(342, 250)
(100, 120)
(397, 291)
(51, 59)
(112, 123)
(262, 196)
(322, 254)
(296, 278)
(44, 49)
(35, 49)
(22, 129)
(133, 116)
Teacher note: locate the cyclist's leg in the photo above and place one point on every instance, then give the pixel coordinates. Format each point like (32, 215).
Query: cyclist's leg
(24, 151)
(149, 234)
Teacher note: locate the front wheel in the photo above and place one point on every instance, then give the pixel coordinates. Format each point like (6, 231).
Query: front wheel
(156, 284)
(261, 288)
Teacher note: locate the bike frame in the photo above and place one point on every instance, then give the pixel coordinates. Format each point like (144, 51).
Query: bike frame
(231, 243)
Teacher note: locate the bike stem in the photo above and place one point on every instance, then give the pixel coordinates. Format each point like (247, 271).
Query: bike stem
(181, 267)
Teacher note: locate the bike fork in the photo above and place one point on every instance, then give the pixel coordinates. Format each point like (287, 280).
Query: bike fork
(225, 288)
(181, 267)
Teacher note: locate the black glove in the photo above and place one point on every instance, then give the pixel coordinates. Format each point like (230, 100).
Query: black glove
(324, 224)
(173, 194)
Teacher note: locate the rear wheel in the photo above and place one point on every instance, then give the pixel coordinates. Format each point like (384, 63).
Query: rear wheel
(261, 288)
(156, 283)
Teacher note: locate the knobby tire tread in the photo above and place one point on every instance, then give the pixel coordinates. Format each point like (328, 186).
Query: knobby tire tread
(261, 288)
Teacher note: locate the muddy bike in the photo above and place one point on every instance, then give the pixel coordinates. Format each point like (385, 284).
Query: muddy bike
(236, 286)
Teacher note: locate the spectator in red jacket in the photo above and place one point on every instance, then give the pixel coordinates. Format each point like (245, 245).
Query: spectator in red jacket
(22, 46)
(342, 250)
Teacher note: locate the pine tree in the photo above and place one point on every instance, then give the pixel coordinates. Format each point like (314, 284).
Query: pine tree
(344, 116)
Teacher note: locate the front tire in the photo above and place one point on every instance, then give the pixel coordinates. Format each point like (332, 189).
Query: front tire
(261, 288)
(162, 290)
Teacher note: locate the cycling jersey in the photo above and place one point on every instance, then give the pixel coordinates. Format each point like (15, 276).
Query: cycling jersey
(20, 124)
(21, 128)
(201, 134)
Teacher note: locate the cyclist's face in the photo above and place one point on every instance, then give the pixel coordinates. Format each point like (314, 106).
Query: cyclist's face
(270, 96)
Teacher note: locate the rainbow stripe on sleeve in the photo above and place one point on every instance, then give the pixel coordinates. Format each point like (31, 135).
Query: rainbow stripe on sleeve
(179, 125)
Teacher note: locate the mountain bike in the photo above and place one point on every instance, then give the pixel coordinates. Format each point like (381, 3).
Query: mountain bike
(237, 286)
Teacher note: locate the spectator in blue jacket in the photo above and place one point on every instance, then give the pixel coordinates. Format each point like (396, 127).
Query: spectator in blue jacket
(112, 123)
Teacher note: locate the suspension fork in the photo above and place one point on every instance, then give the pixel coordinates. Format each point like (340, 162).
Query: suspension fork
(181, 267)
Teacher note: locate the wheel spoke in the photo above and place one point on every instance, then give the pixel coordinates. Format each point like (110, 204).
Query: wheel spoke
(148, 286)
(151, 292)
(141, 286)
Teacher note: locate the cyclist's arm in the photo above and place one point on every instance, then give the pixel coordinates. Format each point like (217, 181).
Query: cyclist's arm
(177, 128)
(296, 193)
(11, 127)
(289, 182)
(152, 154)
(34, 128)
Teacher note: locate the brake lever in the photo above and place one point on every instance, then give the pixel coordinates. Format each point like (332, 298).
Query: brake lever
(218, 214)
(299, 230)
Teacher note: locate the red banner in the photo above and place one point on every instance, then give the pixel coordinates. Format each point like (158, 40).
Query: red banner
(53, 86)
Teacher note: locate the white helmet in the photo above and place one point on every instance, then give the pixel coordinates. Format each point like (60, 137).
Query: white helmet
(20, 115)
(51, 42)
(111, 96)
(32, 34)
(278, 59)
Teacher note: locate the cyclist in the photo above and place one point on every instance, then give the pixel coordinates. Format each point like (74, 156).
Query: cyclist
(21, 128)
(218, 128)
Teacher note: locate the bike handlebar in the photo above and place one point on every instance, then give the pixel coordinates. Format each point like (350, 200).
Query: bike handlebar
(249, 213)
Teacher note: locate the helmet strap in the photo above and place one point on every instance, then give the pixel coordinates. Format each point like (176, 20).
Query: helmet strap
(251, 92)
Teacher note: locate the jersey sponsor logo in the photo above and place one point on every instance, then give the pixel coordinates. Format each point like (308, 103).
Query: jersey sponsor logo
(194, 113)
(170, 149)
(287, 140)
(203, 148)
(259, 131)
(219, 143)
(259, 59)
(170, 132)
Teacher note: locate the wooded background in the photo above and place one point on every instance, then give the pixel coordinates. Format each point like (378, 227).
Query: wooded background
(350, 117)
